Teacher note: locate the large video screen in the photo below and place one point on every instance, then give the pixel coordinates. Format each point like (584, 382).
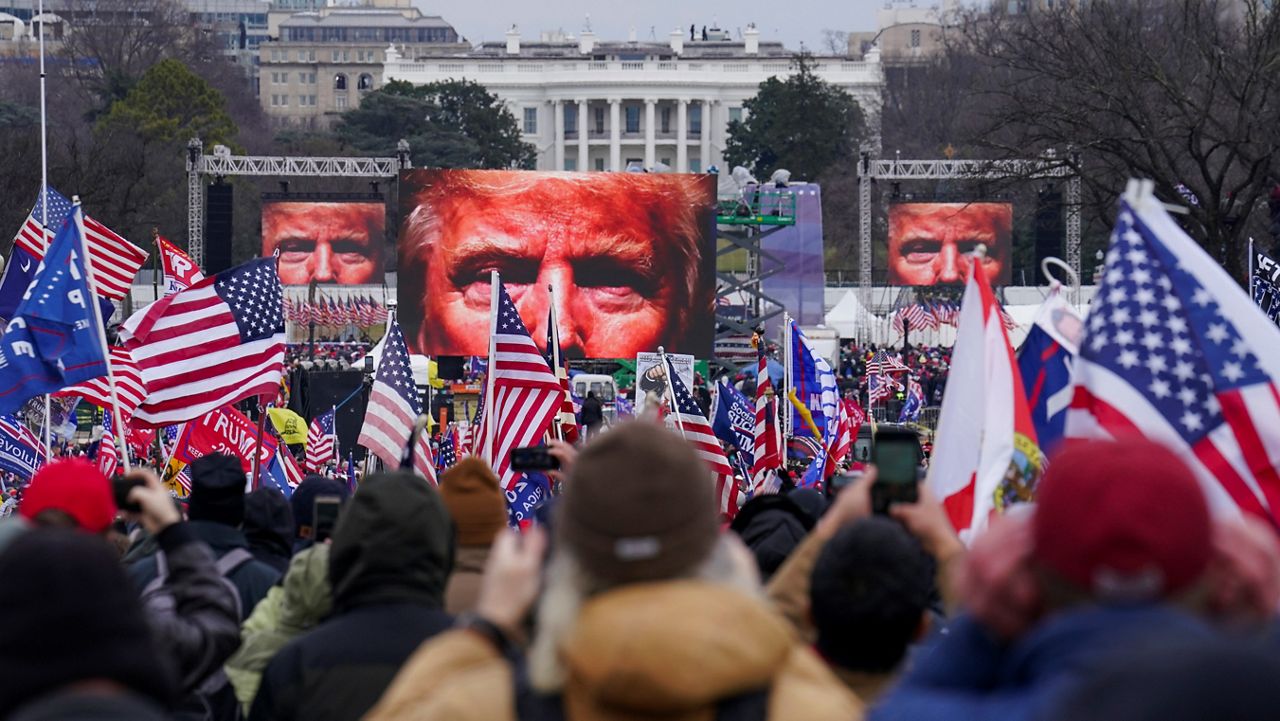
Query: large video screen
(631, 258)
(929, 242)
(329, 242)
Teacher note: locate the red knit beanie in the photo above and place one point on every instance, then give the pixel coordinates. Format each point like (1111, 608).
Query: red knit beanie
(1123, 520)
(74, 486)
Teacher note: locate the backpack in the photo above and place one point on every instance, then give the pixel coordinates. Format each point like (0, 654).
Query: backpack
(156, 596)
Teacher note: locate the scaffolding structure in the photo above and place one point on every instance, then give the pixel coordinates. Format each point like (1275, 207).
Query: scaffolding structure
(871, 170)
(222, 164)
(742, 224)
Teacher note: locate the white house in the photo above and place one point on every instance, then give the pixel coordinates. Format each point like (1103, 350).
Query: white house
(591, 105)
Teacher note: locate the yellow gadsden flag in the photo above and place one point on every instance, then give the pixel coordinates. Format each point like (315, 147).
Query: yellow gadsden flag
(291, 426)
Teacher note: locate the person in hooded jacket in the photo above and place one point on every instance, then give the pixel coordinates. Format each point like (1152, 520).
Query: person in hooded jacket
(268, 527)
(772, 526)
(648, 611)
(301, 601)
(390, 558)
(303, 503)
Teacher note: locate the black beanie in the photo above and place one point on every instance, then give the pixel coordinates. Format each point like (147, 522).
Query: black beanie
(304, 499)
(71, 615)
(217, 490)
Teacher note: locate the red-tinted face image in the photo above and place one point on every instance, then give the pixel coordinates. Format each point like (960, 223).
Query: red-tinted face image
(629, 257)
(328, 242)
(929, 242)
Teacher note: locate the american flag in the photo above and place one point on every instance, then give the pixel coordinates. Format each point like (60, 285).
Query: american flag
(878, 387)
(688, 418)
(767, 453)
(108, 454)
(526, 394)
(946, 312)
(129, 386)
(115, 260)
(394, 407)
(293, 474)
(216, 343)
(882, 364)
(322, 445)
(567, 419)
(448, 451)
(1175, 351)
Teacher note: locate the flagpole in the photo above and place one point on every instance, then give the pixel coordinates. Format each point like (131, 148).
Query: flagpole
(44, 210)
(78, 214)
(554, 331)
(1251, 270)
(494, 280)
(337, 456)
(788, 419)
(668, 370)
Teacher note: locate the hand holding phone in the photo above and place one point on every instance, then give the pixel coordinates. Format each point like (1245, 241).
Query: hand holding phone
(120, 488)
(896, 455)
(533, 458)
(325, 519)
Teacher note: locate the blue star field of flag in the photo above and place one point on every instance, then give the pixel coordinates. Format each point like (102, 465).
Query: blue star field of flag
(394, 369)
(1154, 325)
(253, 293)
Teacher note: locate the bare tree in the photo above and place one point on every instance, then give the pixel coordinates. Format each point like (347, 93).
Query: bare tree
(835, 42)
(1184, 92)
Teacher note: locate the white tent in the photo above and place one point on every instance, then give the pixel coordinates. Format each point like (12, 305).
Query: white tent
(848, 314)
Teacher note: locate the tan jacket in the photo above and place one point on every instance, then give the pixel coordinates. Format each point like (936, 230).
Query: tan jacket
(463, 589)
(672, 650)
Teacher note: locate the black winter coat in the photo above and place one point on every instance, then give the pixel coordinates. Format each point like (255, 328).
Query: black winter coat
(252, 580)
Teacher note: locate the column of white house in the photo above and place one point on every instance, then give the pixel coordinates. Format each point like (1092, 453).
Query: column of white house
(557, 110)
(615, 134)
(682, 135)
(650, 153)
(707, 125)
(584, 156)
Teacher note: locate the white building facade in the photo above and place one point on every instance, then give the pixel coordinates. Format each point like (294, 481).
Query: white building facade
(588, 105)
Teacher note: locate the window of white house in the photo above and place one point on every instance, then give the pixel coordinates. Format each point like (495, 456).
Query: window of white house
(633, 119)
(570, 119)
(666, 120)
(530, 121)
(735, 114)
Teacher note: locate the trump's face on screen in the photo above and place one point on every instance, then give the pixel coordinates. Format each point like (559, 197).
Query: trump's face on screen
(326, 242)
(930, 243)
(623, 252)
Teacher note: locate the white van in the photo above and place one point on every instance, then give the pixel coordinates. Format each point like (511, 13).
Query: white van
(605, 388)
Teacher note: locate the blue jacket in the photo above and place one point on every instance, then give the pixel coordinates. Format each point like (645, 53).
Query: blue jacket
(967, 675)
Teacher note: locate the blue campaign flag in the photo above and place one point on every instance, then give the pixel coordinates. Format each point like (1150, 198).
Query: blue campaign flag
(531, 491)
(273, 476)
(52, 340)
(815, 386)
(734, 420)
(914, 402)
(1045, 361)
(19, 449)
(352, 484)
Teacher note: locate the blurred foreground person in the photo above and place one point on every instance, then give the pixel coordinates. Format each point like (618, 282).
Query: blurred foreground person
(75, 645)
(648, 611)
(391, 555)
(1120, 549)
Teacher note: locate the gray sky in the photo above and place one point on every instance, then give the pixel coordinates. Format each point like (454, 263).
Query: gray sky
(791, 21)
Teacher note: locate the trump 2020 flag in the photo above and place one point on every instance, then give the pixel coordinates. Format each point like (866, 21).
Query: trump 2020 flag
(53, 340)
(1176, 351)
(734, 420)
(1045, 360)
(985, 453)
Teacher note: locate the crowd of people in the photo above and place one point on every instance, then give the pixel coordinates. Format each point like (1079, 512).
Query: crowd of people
(1117, 596)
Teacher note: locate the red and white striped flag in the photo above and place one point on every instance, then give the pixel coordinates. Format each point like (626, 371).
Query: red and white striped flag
(688, 418)
(115, 260)
(394, 407)
(526, 394)
(321, 442)
(129, 386)
(108, 453)
(214, 344)
(767, 454)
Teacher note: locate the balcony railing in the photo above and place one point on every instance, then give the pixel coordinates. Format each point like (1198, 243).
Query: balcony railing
(841, 71)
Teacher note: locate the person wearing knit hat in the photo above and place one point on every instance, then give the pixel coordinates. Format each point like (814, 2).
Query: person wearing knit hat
(303, 502)
(215, 512)
(648, 611)
(70, 493)
(1115, 553)
(75, 642)
(479, 509)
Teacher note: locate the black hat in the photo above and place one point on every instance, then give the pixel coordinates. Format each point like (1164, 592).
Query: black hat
(217, 490)
(70, 614)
